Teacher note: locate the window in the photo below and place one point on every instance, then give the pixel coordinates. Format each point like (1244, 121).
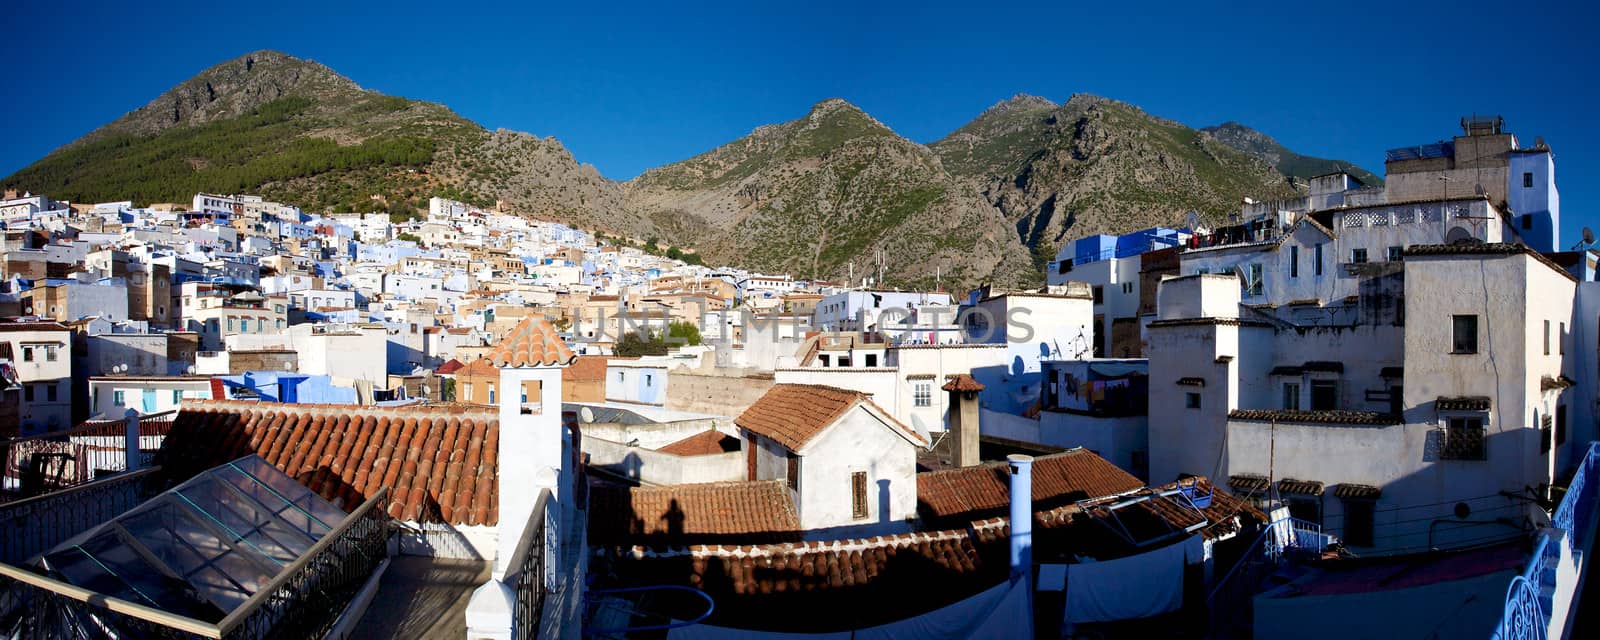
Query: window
(1099, 295)
(858, 494)
(872, 359)
(1191, 400)
(1294, 261)
(1527, 221)
(466, 391)
(649, 381)
(1358, 522)
(177, 396)
(1396, 253)
(1358, 256)
(119, 398)
(1305, 508)
(1547, 433)
(1324, 395)
(1561, 339)
(1464, 330)
(1291, 396)
(1463, 439)
(824, 359)
(1317, 261)
(27, 354)
(1253, 284)
(50, 392)
(792, 473)
(1547, 337)
(1561, 424)
(27, 393)
(922, 394)
(1127, 288)
(1527, 183)
(1063, 266)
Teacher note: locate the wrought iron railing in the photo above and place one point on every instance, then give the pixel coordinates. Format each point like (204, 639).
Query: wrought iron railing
(529, 562)
(1230, 600)
(39, 464)
(31, 526)
(1529, 604)
(303, 601)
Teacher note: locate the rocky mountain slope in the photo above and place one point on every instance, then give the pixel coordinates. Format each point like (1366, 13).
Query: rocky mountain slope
(1094, 165)
(836, 187)
(1287, 162)
(296, 131)
(828, 195)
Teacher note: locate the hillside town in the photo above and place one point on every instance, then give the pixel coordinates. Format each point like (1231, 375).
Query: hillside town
(1369, 410)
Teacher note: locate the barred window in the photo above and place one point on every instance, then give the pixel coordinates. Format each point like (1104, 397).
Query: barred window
(922, 394)
(858, 494)
(1463, 439)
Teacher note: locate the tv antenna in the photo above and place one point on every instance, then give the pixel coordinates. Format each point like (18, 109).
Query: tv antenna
(1588, 240)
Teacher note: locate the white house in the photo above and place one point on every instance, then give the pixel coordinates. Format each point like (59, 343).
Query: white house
(849, 465)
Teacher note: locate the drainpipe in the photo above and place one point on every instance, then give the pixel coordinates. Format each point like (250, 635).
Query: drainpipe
(132, 459)
(1021, 515)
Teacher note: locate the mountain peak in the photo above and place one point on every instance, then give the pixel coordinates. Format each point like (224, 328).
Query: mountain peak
(233, 88)
(1018, 103)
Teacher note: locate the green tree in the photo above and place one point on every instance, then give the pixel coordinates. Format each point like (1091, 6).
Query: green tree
(408, 237)
(683, 333)
(643, 342)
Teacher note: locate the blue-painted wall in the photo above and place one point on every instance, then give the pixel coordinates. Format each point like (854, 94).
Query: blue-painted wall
(1540, 200)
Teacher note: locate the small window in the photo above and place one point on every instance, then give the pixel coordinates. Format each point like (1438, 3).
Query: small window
(1527, 221)
(1191, 400)
(1358, 256)
(27, 393)
(1463, 439)
(1291, 396)
(1396, 253)
(872, 359)
(119, 398)
(27, 354)
(1464, 330)
(177, 396)
(1527, 182)
(1317, 261)
(1547, 337)
(1305, 508)
(792, 473)
(649, 381)
(1561, 424)
(1099, 295)
(1561, 339)
(1358, 522)
(1294, 261)
(1324, 395)
(50, 392)
(922, 394)
(858, 494)
(1127, 288)
(1547, 433)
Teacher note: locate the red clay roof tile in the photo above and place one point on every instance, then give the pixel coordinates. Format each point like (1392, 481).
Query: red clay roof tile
(706, 442)
(793, 414)
(681, 514)
(532, 343)
(971, 493)
(347, 452)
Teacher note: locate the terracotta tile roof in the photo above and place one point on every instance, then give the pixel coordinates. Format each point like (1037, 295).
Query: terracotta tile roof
(32, 326)
(479, 367)
(1316, 417)
(442, 463)
(859, 581)
(963, 383)
(450, 366)
(970, 493)
(1357, 491)
(792, 414)
(1248, 483)
(585, 368)
(533, 342)
(707, 442)
(1300, 487)
(1548, 383)
(1464, 403)
(739, 512)
(1157, 516)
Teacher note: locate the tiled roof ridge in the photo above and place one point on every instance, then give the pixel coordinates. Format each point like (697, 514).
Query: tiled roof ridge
(845, 545)
(990, 464)
(322, 409)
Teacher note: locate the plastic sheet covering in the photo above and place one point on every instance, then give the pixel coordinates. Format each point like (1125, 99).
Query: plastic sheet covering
(202, 548)
(1003, 611)
(1139, 586)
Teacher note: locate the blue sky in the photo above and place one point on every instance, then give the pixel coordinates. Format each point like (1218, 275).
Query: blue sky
(626, 87)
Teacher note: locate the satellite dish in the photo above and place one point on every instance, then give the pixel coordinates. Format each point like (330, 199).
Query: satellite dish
(1588, 235)
(586, 415)
(190, 369)
(921, 429)
(1538, 142)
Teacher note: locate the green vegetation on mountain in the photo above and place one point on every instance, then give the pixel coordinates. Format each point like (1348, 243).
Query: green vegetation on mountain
(1289, 163)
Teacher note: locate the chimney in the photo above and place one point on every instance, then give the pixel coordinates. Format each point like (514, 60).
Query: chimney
(1021, 515)
(963, 419)
(131, 458)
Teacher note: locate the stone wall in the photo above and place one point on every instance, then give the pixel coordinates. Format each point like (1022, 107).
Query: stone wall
(715, 392)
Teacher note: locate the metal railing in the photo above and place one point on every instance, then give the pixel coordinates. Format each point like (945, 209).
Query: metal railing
(39, 464)
(303, 601)
(1230, 601)
(31, 526)
(1529, 603)
(528, 561)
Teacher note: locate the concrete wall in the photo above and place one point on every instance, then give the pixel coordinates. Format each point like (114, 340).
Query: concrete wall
(654, 435)
(1432, 611)
(715, 392)
(881, 383)
(636, 384)
(1123, 441)
(858, 442)
(654, 467)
